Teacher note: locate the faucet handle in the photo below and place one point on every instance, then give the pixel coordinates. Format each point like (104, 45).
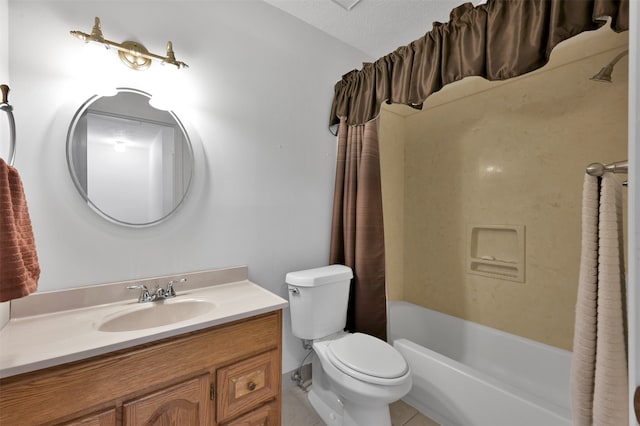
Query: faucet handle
(145, 296)
(170, 292)
(158, 293)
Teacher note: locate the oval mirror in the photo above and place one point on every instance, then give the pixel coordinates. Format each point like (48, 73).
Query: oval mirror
(132, 163)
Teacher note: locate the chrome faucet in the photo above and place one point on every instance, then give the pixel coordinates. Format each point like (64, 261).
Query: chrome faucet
(170, 292)
(158, 293)
(145, 296)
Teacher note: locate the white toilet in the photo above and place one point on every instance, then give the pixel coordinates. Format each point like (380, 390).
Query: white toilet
(357, 375)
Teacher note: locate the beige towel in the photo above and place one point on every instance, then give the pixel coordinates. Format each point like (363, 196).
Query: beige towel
(599, 366)
(19, 268)
(584, 340)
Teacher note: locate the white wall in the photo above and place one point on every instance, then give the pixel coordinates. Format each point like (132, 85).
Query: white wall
(633, 283)
(4, 43)
(255, 100)
(4, 79)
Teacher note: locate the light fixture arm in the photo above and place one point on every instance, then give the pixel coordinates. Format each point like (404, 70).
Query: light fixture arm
(132, 53)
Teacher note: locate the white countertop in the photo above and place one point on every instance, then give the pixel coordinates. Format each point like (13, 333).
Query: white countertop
(32, 342)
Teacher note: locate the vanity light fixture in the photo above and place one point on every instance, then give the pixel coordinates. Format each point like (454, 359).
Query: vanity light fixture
(132, 53)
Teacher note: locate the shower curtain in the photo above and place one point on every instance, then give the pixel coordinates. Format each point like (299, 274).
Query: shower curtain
(357, 238)
(497, 40)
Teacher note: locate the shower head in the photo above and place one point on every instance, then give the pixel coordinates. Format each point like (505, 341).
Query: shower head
(605, 73)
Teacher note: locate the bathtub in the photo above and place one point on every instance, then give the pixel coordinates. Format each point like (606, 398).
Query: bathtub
(468, 374)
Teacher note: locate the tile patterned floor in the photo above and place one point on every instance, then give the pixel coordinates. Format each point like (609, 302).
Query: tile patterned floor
(296, 411)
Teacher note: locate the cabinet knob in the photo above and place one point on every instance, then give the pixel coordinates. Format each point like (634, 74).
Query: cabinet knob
(251, 386)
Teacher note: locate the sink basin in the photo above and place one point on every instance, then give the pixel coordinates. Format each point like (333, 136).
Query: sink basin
(156, 314)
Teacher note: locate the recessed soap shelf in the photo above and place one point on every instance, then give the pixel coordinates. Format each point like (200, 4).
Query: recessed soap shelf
(497, 251)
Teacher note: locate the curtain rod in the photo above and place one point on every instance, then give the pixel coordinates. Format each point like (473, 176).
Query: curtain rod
(598, 169)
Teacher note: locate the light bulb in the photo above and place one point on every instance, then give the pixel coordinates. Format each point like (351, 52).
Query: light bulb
(97, 57)
(165, 95)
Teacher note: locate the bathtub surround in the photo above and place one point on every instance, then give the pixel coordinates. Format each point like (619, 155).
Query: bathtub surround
(511, 152)
(498, 40)
(599, 368)
(392, 136)
(357, 231)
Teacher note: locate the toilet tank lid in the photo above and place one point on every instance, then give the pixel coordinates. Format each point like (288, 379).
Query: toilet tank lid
(319, 276)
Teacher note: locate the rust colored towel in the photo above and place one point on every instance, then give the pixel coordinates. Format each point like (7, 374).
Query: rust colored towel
(599, 367)
(19, 268)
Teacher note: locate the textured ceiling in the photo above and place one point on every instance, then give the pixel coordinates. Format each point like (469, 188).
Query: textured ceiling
(376, 27)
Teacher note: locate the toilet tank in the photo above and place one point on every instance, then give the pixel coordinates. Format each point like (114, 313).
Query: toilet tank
(318, 300)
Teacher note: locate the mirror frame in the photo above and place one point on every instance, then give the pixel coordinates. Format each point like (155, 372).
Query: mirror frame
(76, 181)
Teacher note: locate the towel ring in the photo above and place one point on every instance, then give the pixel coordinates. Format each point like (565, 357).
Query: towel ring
(4, 106)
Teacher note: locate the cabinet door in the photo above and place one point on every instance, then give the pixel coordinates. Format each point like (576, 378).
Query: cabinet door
(185, 404)
(106, 418)
(267, 415)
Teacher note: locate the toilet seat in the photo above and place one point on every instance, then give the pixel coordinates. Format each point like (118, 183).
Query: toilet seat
(368, 359)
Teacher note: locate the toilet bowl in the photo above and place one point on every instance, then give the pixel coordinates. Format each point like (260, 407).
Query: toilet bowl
(355, 376)
(366, 373)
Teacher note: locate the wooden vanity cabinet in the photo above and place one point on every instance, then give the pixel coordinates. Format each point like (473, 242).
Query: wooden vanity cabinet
(106, 418)
(225, 375)
(266, 415)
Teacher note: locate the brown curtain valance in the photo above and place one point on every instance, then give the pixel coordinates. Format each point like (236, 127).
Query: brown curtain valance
(497, 40)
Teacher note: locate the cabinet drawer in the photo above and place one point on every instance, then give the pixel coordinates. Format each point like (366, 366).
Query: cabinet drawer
(246, 384)
(267, 415)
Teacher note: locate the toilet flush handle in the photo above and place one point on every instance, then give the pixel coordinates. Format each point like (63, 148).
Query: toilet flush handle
(294, 290)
